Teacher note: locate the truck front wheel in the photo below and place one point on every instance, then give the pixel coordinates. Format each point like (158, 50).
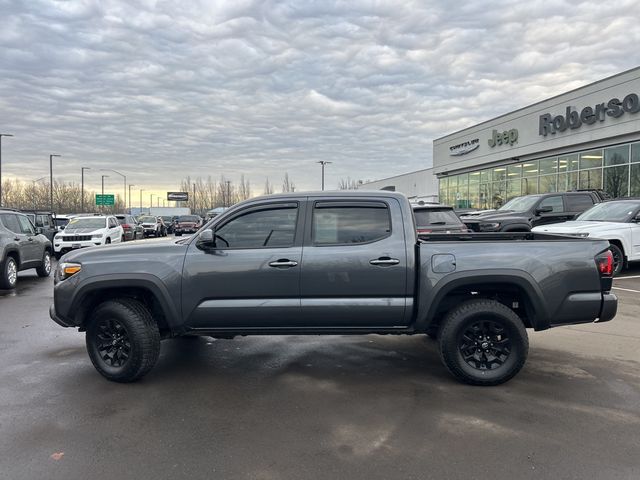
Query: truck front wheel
(483, 342)
(122, 339)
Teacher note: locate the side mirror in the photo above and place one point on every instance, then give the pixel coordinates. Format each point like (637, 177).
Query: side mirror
(206, 240)
(544, 210)
(61, 227)
(636, 219)
(40, 230)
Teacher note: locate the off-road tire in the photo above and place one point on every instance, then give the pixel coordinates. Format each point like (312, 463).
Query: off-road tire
(7, 270)
(44, 270)
(462, 320)
(141, 333)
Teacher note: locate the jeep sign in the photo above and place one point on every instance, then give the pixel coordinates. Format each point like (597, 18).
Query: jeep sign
(572, 119)
(508, 137)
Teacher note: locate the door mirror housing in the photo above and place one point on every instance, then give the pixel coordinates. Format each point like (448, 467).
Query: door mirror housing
(636, 219)
(40, 230)
(206, 240)
(544, 210)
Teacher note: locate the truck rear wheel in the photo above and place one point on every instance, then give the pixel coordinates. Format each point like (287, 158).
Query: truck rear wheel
(122, 339)
(483, 342)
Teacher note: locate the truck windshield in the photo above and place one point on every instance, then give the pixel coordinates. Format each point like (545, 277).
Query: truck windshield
(610, 212)
(520, 204)
(87, 223)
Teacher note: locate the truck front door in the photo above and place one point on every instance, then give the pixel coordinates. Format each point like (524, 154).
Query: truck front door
(354, 264)
(251, 278)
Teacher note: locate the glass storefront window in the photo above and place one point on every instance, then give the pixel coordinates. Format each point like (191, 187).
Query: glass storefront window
(485, 176)
(484, 202)
(530, 169)
(529, 185)
(513, 189)
(635, 180)
(499, 194)
(548, 183)
(474, 194)
(635, 152)
(572, 181)
(562, 182)
(548, 165)
(616, 181)
(514, 171)
(616, 155)
(474, 177)
(590, 178)
(590, 159)
(499, 173)
(568, 163)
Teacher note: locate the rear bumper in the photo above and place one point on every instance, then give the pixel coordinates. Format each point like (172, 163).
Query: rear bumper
(609, 307)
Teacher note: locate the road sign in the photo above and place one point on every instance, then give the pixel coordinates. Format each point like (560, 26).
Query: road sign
(178, 196)
(106, 200)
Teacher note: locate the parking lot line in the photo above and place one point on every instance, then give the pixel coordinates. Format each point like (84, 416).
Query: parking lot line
(626, 289)
(630, 276)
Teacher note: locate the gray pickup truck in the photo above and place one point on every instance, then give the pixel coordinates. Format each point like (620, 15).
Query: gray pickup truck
(333, 263)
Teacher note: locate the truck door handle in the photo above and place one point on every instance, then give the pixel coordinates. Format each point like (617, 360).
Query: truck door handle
(384, 261)
(283, 263)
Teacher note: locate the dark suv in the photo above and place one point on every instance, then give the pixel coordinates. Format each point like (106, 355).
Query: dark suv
(21, 247)
(436, 218)
(44, 221)
(521, 214)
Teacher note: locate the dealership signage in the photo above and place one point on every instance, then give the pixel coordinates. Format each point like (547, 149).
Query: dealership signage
(614, 108)
(178, 196)
(464, 147)
(508, 137)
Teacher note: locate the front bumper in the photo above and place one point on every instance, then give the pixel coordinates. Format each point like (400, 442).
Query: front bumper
(63, 247)
(609, 307)
(59, 320)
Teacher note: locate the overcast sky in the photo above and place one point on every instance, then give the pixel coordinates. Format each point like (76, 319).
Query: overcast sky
(163, 89)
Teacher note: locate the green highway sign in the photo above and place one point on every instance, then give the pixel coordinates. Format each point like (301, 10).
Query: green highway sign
(106, 200)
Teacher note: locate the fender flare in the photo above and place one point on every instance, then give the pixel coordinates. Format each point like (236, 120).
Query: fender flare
(129, 280)
(539, 317)
(518, 226)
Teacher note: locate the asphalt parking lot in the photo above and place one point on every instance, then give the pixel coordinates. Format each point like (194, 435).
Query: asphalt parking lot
(317, 407)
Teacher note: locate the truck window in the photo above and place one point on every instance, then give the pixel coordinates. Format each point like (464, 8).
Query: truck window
(338, 225)
(25, 225)
(265, 228)
(554, 202)
(578, 203)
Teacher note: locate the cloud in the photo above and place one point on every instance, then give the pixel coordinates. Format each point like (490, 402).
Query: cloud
(160, 90)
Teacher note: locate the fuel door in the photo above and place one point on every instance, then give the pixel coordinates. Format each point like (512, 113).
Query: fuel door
(443, 263)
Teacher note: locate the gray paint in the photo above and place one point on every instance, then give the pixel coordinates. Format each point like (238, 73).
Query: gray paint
(336, 288)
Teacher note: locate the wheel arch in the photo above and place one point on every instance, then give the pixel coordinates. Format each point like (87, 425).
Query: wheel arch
(506, 287)
(14, 253)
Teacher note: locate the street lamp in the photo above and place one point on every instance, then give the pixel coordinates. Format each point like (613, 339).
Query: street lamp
(130, 185)
(103, 177)
(125, 182)
(141, 190)
(323, 163)
(51, 179)
(82, 169)
(34, 190)
(2, 135)
(151, 202)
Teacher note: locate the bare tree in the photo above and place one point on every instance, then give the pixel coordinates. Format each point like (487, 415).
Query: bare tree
(268, 188)
(287, 184)
(347, 184)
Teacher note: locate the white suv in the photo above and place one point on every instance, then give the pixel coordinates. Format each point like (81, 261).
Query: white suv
(83, 232)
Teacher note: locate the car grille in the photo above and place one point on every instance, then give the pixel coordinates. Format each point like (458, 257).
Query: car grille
(473, 226)
(76, 238)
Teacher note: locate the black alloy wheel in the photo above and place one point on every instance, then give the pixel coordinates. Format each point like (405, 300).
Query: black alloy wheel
(113, 343)
(618, 259)
(485, 345)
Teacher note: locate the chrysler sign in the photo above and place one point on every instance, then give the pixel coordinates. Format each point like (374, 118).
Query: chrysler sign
(572, 119)
(464, 147)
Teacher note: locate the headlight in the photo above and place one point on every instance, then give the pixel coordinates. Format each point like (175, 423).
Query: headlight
(96, 235)
(489, 226)
(582, 234)
(58, 237)
(67, 269)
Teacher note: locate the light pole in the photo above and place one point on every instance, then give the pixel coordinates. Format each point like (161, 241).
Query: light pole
(151, 202)
(158, 201)
(102, 203)
(51, 179)
(125, 182)
(130, 185)
(82, 169)
(323, 163)
(2, 135)
(141, 190)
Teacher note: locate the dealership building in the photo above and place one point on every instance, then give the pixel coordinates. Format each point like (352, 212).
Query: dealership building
(588, 138)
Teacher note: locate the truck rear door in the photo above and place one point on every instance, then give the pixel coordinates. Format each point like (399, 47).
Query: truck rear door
(354, 264)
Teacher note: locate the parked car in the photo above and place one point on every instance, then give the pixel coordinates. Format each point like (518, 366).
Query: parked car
(521, 214)
(61, 221)
(152, 226)
(615, 220)
(43, 220)
(334, 263)
(21, 247)
(90, 231)
(187, 224)
(168, 221)
(435, 218)
(130, 226)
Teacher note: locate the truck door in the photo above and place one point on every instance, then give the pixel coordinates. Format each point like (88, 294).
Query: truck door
(251, 278)
(354, 264)
(32, 249)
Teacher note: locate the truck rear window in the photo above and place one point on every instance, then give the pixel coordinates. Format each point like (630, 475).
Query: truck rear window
(435, 216)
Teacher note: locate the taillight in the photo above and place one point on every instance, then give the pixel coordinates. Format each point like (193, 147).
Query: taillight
(126, 225)
(424, 230)
(604, 262)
